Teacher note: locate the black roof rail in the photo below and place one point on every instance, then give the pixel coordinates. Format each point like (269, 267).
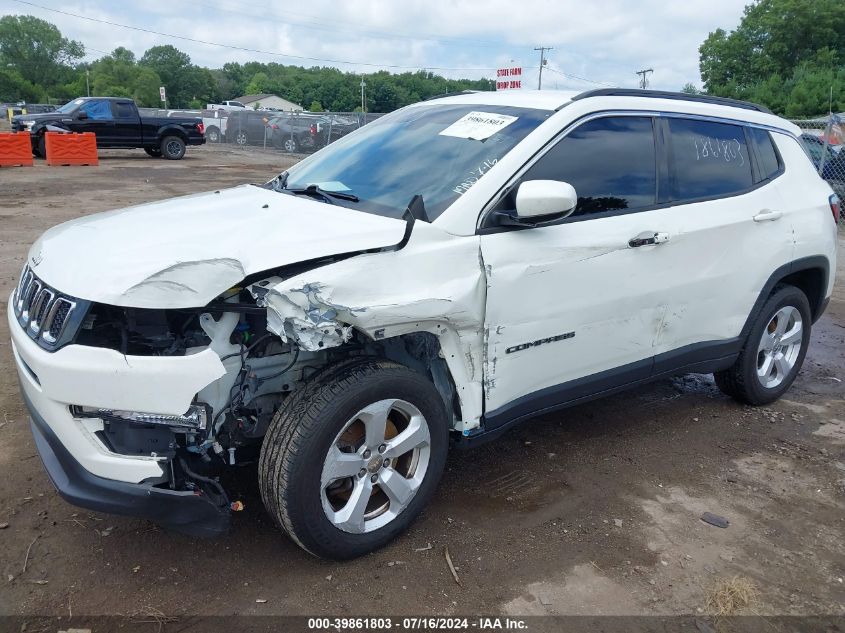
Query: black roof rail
(452, 94)
(679, 96)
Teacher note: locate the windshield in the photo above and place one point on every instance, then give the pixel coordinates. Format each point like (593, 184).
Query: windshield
(436, 151)
(70, 106)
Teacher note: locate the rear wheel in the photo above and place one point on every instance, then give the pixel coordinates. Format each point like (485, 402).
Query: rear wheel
(212, 134)
(774, 350)
(40, 149)
(155, 152)
(241, 138)
(351, 459)
(290, 145)
(172, 147)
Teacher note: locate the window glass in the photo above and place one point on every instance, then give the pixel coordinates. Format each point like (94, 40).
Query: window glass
(763, 144)
(123, 110)
(609, 161)
(438, 151)
(97, 110)
(708, 159)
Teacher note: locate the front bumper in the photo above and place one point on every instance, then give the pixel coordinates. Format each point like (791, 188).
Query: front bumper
(83, 469)
(183, 511)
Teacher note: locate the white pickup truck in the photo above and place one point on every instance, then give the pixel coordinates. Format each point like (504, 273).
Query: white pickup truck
(226, 105)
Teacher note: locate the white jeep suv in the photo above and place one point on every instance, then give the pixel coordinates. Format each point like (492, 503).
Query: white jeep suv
(456, 267)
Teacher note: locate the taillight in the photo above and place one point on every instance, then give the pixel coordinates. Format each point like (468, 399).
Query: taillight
(313, 129)
(836, 207)
(201, 127)
(274, 126)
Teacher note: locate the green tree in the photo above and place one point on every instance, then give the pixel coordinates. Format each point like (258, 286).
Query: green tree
(315, 107)
(786, 54)
(690, 89)
(38, 53)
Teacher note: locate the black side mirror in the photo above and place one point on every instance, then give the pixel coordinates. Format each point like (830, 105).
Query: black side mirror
(81, 116)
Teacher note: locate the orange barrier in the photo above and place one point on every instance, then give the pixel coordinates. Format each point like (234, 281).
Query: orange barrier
(71, 149)
(15, 149)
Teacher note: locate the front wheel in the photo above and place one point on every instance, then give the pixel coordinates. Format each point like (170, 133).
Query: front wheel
(352, 458)
(773, 352)
(290, 145)
(172, 147)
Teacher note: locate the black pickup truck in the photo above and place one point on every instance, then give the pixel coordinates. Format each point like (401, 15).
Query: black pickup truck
(117, 124)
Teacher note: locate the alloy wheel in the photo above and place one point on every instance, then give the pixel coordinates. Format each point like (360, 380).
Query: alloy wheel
(780, 346)
(375, 466)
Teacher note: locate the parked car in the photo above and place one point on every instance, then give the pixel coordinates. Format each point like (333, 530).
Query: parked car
(446, 272)
(117, 124)
(246, 127)
(307, 132)
(295, 132)
(833, 169)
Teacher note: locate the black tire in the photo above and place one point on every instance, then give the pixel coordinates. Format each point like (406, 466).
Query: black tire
(172, 147)
(290, 145)
(212, 134)
(741, 381)
(155, 152)
(40, 149)
(305, 427)
(241, 138)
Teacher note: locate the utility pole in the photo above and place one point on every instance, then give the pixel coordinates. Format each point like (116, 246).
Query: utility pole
(363, 103)
(87, 85)
(542, 50)
(644, 77)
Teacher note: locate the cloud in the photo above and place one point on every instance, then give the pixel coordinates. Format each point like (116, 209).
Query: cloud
(605, 42)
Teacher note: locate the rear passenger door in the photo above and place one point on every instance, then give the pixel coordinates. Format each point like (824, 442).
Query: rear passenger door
(728, 234)
(127, 130)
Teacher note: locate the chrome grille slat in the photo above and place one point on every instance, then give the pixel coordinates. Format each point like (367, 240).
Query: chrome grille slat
(42, 312)
(31, 292)
(39, 307)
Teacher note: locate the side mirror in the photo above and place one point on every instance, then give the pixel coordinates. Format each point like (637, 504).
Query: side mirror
(81, 116)
(544, 200)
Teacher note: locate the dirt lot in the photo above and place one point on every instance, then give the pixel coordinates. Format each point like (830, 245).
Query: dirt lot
(591, 511)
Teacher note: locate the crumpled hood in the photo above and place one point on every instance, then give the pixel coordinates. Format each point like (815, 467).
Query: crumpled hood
(185, 251)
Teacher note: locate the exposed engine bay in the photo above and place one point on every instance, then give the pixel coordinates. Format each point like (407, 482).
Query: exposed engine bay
(228, 419)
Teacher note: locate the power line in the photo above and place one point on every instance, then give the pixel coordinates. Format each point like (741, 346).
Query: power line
(571, 76)
(542, 50)
(245, 49)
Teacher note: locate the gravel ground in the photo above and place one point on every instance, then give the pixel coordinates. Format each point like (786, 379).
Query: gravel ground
(590, 511)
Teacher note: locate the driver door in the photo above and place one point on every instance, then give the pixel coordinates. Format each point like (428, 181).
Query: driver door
(572, 308)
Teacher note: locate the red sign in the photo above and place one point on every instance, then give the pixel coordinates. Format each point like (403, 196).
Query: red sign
(509, 78)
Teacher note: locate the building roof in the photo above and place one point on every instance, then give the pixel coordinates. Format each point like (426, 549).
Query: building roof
(248, 99)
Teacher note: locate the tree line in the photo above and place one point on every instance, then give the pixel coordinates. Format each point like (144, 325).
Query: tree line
(38, 65)
(788, 55)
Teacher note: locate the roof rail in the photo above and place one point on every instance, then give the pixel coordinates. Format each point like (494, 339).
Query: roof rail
(679, 96)
(452, 94)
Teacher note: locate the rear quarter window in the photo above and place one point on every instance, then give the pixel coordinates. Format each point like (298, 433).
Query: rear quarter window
(767, 156)
(708, 159)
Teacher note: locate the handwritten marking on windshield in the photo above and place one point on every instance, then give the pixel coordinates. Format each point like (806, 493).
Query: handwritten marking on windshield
(464, 186)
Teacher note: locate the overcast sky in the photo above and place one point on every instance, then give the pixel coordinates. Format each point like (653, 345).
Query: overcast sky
(604, 41)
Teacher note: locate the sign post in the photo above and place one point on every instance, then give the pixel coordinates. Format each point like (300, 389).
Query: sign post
(163, 96)
(509, 78)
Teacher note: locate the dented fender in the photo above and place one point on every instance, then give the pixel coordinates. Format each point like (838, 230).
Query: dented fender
(435, 284)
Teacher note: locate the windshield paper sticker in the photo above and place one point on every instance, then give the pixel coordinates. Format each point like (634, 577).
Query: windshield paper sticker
(478, 126)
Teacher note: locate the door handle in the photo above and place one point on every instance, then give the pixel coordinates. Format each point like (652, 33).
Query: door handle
(767, 215)
(648, 238)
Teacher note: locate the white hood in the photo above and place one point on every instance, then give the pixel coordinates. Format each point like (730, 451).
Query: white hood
(185, 251)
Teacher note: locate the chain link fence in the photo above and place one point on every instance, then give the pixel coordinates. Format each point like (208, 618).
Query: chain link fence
(290, 132)
(824, 141)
